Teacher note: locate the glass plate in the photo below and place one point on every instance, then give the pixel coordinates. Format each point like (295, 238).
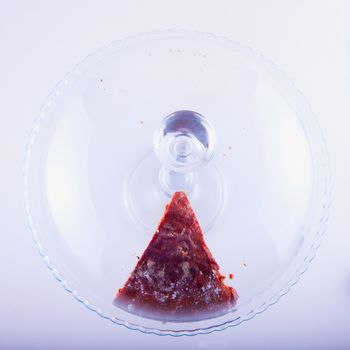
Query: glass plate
(93, 174)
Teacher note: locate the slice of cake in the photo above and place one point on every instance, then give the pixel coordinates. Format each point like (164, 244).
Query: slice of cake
(177, 278)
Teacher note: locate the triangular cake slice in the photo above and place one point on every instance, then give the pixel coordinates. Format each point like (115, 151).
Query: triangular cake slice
(177, 277)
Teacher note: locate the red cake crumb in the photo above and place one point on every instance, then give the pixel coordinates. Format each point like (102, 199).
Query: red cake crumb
(177, 277)
(231, 275)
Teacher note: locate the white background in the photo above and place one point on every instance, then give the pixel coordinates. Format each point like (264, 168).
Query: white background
(41, 40)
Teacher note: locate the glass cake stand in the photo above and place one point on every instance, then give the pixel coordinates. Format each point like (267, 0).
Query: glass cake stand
(166, 111)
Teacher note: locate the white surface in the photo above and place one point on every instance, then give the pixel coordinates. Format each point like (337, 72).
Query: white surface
(40, 41)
